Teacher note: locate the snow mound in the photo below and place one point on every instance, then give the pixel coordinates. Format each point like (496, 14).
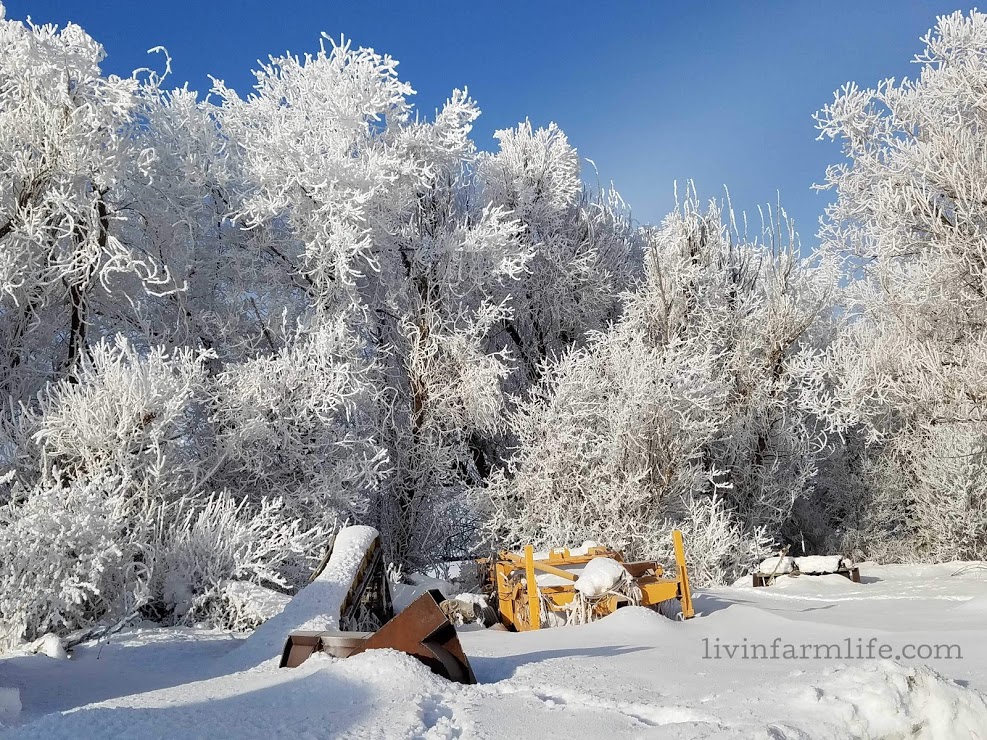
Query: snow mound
(378, 694)
(887, 699)
(632, 620)
(315, 607)
(813, 564)
(776, 565)
(50, 645)
(599, 576)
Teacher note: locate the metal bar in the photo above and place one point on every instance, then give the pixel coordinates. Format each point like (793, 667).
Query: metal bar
(683, 575)
(555, 571)
(534, 606)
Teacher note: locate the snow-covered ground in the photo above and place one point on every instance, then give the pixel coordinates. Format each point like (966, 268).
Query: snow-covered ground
(634, 674)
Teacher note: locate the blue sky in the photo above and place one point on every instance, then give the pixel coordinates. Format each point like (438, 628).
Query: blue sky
(718, 92)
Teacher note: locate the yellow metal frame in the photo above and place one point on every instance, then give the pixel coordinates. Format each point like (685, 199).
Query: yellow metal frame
(520, 607)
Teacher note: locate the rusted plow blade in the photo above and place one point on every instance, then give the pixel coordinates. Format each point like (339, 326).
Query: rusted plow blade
(421, 630)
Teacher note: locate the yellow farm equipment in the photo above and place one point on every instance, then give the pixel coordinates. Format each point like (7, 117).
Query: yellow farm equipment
(556, 599)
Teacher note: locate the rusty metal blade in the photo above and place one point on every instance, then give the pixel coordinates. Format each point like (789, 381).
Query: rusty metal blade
(423, 631)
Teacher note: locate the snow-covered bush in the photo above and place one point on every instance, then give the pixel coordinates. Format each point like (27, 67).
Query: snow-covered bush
(717, 548)
(70, 558)
(609, 445)
(129, 452)
(197, 549)
(133, 416)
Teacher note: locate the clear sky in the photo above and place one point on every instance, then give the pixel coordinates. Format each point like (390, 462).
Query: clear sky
(718, 92)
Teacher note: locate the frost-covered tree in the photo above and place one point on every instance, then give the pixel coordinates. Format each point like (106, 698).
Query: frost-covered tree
(299, 426)
(905, 377)
(584, 250)
(682, 414)
(70, 168)
(378, 215)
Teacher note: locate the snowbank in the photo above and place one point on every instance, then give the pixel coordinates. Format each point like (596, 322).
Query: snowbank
(887, 699)
(370, 695)
(315, 607)
(610, 678)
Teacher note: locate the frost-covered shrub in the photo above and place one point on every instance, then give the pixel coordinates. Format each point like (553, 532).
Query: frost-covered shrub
(196, 550)
(718, 549)
(609, 447)
(70, 559)
(135, 416)
(300, 426)
(79, 555)
(126, 453)
(950, 501)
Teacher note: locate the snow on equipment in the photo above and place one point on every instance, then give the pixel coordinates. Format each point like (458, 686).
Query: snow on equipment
(422, 630)
(810, 565)
(534, 590)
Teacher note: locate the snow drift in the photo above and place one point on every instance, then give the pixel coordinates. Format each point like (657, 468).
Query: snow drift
(887, 699)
